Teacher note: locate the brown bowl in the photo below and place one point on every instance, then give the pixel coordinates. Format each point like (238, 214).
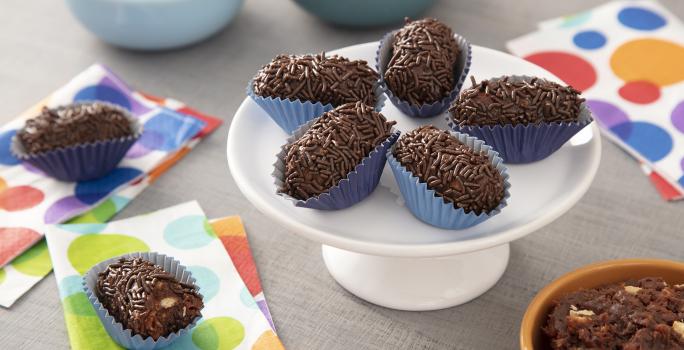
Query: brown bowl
(531, 335)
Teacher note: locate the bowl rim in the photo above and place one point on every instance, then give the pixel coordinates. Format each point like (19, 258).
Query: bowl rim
(536, 306)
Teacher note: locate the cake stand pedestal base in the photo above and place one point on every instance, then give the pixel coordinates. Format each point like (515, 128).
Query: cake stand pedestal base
(417, 284)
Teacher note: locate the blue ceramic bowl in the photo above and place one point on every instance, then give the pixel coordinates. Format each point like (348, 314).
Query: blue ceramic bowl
(365, 13)
(154, 24)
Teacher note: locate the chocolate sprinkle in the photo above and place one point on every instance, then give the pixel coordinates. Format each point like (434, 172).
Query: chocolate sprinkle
(452, 169)
(335, 79)
(74, 125)
(147, 299)
(331, 148)
(421, 69)
(504, 101)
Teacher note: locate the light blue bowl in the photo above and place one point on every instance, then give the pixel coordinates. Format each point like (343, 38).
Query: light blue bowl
(154, 24)
(365, 13)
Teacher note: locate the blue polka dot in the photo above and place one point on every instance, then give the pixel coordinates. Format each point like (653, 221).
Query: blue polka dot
(6, 157)
(103, 93)
(681, 181)
(640, 18)
(168, 130)
(83, 228)
(648, 139)
(589, 39)
(92, 191)
(70, 285)
(247, 299)
(207, 280)
(188, 232)
(120, 202)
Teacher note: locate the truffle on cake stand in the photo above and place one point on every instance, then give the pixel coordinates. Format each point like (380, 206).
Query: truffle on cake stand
(377, 249)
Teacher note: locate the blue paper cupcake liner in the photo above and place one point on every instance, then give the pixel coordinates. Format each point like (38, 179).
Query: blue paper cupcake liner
(429, 207)
(291, 114)
(358, 184)
(461, 69)
(81, 162)
(124, 337)
(518, 144)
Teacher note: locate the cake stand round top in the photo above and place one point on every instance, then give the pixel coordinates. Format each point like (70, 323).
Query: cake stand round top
(381, 224)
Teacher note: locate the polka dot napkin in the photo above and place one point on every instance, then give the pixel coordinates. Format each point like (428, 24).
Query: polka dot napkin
(232, 318)
(626, 58)
(29, 200)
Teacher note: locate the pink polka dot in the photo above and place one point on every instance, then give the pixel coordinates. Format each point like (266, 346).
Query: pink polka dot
(641, 92)
(572, 69)
(20, 198)
(14, 240)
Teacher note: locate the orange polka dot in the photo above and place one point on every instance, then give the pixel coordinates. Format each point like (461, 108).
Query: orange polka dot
(228, 226)
(20, 198)
(268, 341)
(654, 60)
(3, 184)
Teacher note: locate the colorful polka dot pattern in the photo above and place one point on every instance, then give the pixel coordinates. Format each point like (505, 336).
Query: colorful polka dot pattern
(647, 68)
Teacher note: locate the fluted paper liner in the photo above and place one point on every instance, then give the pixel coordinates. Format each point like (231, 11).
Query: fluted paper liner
(290, 114)
(82, 162)
(357, 185)
(430, 207)
(520, 143)
(124, 337)
(461, 69)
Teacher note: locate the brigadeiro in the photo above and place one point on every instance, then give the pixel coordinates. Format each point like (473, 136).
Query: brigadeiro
(449, 180)
(141, 303)
(524, 118)
(335, 160)
(296, 89)
(635, 314)
(423, 66)
(77, 142)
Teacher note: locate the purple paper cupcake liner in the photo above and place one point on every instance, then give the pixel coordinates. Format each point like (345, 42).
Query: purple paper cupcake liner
(124, 337)
(461, 69)
(429, 207)
(290, 114)
(358, 184)
(81, 162)
(519, 144)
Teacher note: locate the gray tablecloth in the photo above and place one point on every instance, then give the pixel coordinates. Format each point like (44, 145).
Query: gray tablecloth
(41, 47)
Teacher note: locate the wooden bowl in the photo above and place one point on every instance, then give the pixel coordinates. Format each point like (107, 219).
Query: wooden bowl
(531, 335)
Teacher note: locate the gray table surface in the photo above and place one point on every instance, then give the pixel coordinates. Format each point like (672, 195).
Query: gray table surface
(41, 47)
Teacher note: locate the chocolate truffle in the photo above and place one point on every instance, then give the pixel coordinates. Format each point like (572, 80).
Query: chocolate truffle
(453, 170)
(146, 299)
(639, 314)
(507, 101)
(332, 147)
(421, 69)
(73, 125)
(334, 79)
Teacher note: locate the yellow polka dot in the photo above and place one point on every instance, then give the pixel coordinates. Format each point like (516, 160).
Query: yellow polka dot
(654, 60)
(228, 226)
(3, 184)
(268, 341)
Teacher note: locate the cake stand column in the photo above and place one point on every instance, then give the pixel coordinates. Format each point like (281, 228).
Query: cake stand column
(417, 284)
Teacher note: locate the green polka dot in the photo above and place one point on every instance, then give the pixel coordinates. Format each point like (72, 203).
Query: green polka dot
(2, 275)
(78, 304)
(99, 214)
(35, 261)
(88, 250)
(87, 332)
(218, 333)
(209, 229)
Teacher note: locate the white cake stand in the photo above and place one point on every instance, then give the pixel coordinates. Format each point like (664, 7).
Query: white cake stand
(377, 249)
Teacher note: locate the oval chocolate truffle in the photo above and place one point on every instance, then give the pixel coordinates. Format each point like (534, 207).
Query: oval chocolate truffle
(319, 78)
(453, 170)
(421, 69)
(73, 125)
(146, 299)
(516, 101)
(331, 148)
